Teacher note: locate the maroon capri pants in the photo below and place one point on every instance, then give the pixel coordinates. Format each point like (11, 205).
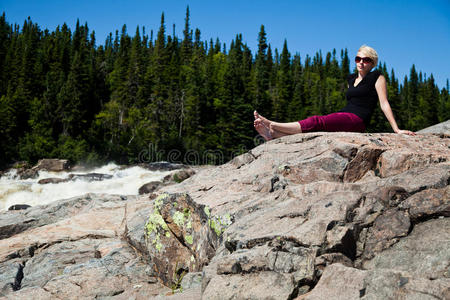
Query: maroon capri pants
(340, 121)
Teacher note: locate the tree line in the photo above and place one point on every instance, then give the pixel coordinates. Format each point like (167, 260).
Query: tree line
(63, 96)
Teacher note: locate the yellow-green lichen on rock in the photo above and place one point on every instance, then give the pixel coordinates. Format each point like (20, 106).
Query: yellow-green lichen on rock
(214, 227)
(189, 239)
(207, 212)
(158, 244)
(189, 224)
(156, 223)
(218, 223)
(183, 219)
(178, 218)
(159, 200)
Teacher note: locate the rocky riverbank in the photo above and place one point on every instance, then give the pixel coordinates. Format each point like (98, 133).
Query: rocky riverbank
(312, 216)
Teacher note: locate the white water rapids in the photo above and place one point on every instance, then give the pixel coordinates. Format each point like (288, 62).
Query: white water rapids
(124, 181)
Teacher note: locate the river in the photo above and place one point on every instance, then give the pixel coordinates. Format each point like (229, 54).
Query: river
(124, 181)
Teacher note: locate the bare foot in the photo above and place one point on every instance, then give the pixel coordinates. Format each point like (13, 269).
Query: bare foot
(263, 120)
(262, 129)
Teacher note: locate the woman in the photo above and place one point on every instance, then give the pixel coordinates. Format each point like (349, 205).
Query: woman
(364, 88)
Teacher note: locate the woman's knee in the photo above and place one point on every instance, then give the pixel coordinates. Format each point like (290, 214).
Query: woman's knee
(312, 124)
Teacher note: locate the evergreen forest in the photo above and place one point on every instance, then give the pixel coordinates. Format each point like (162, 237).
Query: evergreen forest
(149, 97)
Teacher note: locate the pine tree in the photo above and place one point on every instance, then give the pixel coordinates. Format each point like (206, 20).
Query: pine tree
(431, 101)
(135, 70)
(394, 99)
(186, 45)
(158, 94)
(334, 71)
(26, 83)
(411, 108)
(284, 84)
(345, 64)
(261, 75)
(296, 105)
(69, 100)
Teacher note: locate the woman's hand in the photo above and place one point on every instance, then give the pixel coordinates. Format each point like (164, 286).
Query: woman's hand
(405, 132)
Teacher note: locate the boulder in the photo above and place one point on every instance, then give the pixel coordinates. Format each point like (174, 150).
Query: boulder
(182, 175)
(150, 187)
(19, 206)
(175, 177)
(179, 176)
(52, 165)
(47, 164)
(90, 177)
(179, 237)
(162, 166)
(52, 180)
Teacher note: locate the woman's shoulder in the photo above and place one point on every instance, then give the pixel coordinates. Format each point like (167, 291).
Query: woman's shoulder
(376, 73)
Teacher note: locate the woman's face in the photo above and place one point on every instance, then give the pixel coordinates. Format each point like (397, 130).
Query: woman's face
(361, 65)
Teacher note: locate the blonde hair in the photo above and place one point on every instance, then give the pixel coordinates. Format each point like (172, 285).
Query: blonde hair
(370, 52)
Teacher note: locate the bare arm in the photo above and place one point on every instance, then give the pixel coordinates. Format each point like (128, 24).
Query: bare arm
(381, 88)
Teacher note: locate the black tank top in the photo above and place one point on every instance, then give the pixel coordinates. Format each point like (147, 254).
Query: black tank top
(362, 99)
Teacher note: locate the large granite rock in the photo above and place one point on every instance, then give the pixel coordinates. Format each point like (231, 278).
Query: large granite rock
(341, 200)
(309, 216)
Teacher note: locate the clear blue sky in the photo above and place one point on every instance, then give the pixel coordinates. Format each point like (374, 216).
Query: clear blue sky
(404, 32)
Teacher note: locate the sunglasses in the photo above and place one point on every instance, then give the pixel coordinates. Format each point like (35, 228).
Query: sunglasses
(365, 60)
